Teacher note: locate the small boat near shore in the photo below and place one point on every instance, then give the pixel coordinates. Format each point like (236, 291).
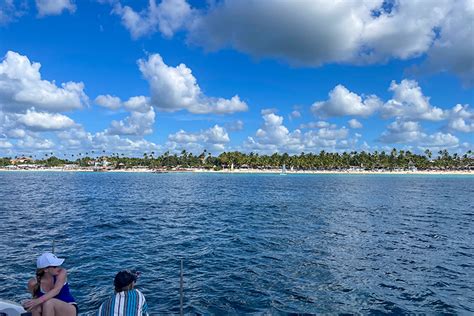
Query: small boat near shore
(160, 171)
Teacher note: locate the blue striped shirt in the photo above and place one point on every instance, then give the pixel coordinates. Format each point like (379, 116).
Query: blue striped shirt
(125, 303)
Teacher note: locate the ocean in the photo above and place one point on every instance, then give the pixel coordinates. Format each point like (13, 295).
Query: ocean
(257, 244)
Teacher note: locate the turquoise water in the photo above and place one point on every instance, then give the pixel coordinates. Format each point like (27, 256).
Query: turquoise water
(256, 244)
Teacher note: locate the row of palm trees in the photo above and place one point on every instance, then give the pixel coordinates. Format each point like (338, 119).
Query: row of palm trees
(395, 159)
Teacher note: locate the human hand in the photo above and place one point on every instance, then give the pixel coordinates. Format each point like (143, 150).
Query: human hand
(30, 304)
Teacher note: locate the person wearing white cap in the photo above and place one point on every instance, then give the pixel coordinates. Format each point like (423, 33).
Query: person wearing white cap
(50, 290)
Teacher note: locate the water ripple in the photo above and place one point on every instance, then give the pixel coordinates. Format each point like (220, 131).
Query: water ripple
(251, 244)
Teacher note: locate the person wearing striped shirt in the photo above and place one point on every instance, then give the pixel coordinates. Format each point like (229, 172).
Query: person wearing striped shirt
(127, 301)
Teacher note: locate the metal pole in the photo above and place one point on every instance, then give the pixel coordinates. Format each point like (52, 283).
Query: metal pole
(181, 290)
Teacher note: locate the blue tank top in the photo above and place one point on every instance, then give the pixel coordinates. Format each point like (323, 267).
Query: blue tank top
(63, 295)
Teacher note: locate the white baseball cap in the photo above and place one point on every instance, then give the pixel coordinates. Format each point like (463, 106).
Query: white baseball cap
(48, 259)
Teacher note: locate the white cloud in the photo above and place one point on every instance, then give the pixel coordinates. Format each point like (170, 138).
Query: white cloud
(273, 131)
(461, 119)
(138, 104)
(21, 88)
(215, 134)
(214, 139)
(139, 122)
(16, 133)
(175, 88)
(402, 132)
(109, 102)
(353, 123)
(409, 132)
(405, 32)
(323, 32)
(273, 136)
(35, 143)
(316, 32)
(42, 121)
(304, 32)
(5, 144)
(169, 16)
(54, 7)
(77, 139)
(409, 103)
(454, 48)
(343, 102)
(124, 145)
(440, 140)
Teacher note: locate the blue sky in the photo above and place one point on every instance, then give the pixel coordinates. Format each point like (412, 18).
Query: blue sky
(263, 76)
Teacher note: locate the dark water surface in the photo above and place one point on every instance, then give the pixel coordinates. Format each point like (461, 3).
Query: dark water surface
(252, 244)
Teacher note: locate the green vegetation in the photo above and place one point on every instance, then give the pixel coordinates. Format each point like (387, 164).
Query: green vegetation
(4, 161)
(396, 159)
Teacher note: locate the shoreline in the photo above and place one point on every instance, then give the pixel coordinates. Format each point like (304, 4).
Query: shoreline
(253, 171)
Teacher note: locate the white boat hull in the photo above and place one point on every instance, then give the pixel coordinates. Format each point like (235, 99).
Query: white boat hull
(9, 308)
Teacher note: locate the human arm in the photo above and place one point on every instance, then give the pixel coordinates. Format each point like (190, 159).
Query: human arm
(60, 281)
(31, 286)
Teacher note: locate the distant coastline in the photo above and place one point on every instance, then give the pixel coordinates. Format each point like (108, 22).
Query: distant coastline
(247, 171)
(394, 162)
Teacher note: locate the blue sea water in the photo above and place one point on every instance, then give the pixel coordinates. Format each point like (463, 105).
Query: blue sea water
(251, 244)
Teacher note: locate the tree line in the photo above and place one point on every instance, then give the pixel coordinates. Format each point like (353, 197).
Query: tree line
(395, 159)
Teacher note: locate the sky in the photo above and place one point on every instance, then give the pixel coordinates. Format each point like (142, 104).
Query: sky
(266, 76)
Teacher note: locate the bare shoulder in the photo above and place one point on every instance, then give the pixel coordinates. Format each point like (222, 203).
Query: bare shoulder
(31, 284)
(62, 276)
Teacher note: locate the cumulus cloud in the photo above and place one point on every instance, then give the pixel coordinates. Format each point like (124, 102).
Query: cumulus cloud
(107, 142)
(461, 119)
(75, 139)
(409, 132)
(168, 17)
(347, 31)
(5, 144)
(214, 138)
(42, 121)
(21, 88)
(307, 32)
(342, 102)
(139, 122)
(407, 30)
(322, 32)
(453, 49)
(409, 103)
(400, 131)
(353, 123)
(54, 7)
(175, 88)
(16, 133)
(273, 136)
(31, 142)
(78, 139)
(108, 101)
